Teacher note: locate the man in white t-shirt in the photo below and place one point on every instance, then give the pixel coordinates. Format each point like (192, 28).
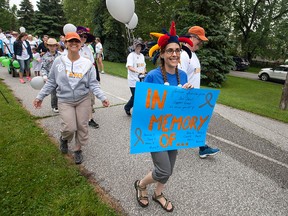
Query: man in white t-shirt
(136, 65)
(8, 45)
(193, 69)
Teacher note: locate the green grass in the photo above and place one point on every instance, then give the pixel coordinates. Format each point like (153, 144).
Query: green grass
(35, 178)
(254, 96)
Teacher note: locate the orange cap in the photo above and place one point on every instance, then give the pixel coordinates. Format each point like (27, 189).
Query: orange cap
(199, 31)
(72, 35)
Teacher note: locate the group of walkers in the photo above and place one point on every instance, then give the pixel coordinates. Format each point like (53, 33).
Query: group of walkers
(72, 79)
(26, 48)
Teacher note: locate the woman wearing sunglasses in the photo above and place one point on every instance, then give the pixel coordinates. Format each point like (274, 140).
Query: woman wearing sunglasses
(74, 77)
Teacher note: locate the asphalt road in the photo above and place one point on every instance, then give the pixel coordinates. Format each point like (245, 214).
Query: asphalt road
(244, 75)
(248, 177)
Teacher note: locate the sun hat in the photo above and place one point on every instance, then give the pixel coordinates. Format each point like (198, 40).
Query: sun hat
(166, 38)
(83, 30)
(199, 31)
(138, 42)
(51, 41)
(72, 35)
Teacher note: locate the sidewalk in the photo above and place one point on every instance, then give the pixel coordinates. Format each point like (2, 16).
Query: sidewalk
(218, 185)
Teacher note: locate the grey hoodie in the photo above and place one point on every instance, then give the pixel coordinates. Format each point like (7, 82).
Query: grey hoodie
(59, 78)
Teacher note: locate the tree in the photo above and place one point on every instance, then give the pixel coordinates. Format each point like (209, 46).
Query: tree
(26, 16)
(82, 15)
(255, 22)
(14, 21)
(284, 98)
(7, 16)
(50, 18)
(212, 16)
(111, 32)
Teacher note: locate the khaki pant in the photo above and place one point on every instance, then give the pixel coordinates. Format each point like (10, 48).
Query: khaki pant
(74, 120)
(92, 99)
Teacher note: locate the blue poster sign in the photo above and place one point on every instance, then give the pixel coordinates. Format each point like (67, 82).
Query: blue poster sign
(170, 117)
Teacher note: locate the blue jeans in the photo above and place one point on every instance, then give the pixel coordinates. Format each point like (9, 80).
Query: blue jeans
(130, 103)
(24, 65)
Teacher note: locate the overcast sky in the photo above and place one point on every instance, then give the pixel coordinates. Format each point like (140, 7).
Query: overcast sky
(17, 3)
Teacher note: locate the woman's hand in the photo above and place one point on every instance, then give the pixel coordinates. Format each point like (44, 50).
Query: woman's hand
(187, 86)
(105, 103)
(37, 103)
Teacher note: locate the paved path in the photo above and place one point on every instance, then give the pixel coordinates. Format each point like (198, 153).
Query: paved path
(248, 177)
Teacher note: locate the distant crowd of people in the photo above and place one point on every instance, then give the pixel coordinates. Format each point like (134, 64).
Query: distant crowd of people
(26, 47)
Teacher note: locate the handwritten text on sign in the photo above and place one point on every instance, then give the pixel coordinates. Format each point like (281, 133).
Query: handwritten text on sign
(169, 117)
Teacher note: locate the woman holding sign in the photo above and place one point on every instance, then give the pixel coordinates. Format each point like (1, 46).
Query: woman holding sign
(168, 74)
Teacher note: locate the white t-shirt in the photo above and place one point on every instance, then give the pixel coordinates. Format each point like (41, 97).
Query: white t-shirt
(36, 63)
(32, 44)
(9, 42)
(192, 68)
(138, 62)
(86, 52)
(2, 36)
(98, 48)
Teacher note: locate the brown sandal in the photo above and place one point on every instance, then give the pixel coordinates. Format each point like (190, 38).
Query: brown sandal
(139, 196)
(156, 199)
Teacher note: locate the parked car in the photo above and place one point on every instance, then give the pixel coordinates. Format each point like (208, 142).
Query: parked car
(241, 64)
(279, 73)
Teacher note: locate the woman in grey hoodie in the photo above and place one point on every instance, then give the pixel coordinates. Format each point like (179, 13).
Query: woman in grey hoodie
(74, 77)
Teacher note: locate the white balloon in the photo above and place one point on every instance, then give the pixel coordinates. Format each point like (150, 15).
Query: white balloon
(37, 82)
(133, 22)
(69, 28)
(121, 10)
(22, 29)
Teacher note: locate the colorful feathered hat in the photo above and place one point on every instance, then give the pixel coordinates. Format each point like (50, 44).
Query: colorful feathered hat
(166, 38)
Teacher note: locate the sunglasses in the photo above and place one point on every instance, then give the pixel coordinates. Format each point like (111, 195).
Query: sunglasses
(83, 36)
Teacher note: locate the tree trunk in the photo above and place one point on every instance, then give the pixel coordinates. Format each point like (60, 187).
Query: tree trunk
(284, 98)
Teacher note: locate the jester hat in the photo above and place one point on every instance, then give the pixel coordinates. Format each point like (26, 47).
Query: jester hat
(166, 38)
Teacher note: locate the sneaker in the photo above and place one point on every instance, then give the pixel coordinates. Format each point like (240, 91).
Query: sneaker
(93, 124)
(22, 81)
(63, 146)
(55, 110)
(207, 151)
(28, 78)
(102, 72)
(78, 157)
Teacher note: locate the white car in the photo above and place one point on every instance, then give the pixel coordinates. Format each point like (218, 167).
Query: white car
(279, 73)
